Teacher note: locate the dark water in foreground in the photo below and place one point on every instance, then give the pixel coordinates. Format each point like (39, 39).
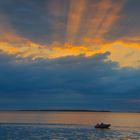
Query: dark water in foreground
(68, 126)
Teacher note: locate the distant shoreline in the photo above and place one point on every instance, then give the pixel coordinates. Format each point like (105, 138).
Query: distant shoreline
(69, 110)
(66, 110)
(61, 110)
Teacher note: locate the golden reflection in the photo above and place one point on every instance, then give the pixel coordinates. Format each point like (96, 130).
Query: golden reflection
(83, 118)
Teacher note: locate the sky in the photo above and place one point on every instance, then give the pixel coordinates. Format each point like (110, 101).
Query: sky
(70, 54)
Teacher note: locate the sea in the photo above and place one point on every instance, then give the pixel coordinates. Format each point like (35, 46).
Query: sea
(45, 125)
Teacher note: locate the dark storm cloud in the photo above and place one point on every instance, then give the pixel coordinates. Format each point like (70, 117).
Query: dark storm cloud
(70, 82)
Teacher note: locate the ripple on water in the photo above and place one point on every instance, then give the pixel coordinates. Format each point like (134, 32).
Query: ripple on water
(65, 132)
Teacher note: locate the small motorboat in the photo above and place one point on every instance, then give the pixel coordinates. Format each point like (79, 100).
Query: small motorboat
(102, 126)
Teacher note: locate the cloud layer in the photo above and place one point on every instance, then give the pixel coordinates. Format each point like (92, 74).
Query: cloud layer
(52, 29)
(70, 54)
(69, 82)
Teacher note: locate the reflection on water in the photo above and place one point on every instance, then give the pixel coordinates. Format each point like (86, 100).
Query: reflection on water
(89, 118)
(68, 125)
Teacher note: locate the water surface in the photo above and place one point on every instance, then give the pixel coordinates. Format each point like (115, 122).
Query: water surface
(68, 126)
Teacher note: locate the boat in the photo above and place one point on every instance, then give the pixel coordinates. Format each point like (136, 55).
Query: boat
(102, 126)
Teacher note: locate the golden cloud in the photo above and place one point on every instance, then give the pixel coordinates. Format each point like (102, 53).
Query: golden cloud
(126, 53)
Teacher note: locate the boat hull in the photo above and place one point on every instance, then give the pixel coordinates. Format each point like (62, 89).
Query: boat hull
(102, 126)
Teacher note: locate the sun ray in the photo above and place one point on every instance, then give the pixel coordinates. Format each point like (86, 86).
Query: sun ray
(76, 12)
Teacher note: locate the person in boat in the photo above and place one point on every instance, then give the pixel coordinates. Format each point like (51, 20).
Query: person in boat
(102, 125)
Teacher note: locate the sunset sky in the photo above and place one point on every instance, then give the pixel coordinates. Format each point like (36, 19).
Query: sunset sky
(70, 54)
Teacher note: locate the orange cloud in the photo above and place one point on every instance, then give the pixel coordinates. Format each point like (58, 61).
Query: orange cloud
(104, 14)
(124, 52)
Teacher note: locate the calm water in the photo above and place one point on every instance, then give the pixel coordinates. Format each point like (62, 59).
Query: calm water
(68, 126)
